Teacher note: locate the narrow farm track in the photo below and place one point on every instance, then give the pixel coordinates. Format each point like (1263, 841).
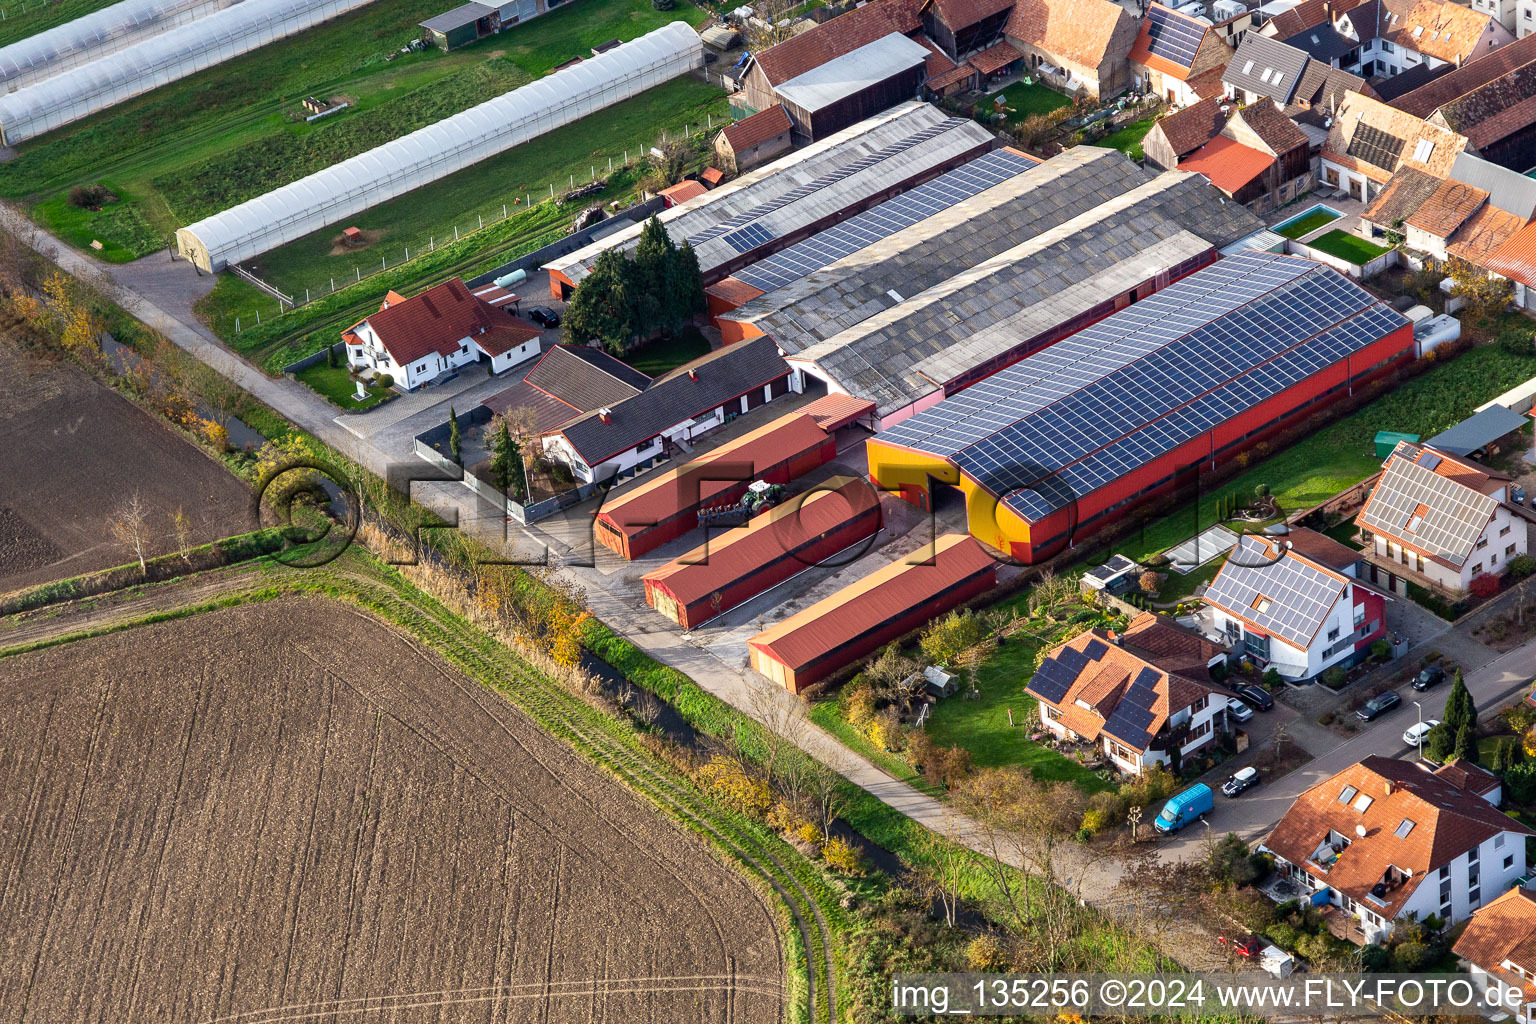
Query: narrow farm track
(429, 627)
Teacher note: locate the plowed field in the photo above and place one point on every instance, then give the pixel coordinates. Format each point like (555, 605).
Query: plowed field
(289, 812)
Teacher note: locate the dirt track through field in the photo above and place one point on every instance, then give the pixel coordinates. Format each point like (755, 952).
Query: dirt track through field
(285, 812)
(71, 450)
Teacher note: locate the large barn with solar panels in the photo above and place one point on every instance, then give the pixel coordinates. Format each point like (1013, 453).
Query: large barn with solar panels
(1056, 446)
(1178, 57)
(1127, 693)
(780, 203)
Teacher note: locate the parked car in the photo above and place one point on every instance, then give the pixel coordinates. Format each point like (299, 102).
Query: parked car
(1416, 733)
(1378, 706)
(1183, 808)
(1240, 780)
(1248, 948)
(544, 316)
(1431, 676)
(1257, 696)
(1239, 711)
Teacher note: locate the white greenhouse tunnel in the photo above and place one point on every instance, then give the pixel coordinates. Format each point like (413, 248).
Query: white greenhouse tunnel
(96, 35)
(159, 60)
(427, 154)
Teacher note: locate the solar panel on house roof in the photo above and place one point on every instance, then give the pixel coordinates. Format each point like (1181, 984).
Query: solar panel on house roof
(1133, 714)
(1454, 515)
(1173, 36)
(1052, 680)
(1428, 459)
(893, 215)
(1107, 400)
(1299, 595)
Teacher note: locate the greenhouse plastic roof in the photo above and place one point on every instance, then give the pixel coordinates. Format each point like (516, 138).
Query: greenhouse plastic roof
(96, 34)
(159, 60)
(456, 142)
(850, 154)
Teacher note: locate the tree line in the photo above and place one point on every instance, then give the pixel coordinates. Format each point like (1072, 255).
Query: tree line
(626, 299)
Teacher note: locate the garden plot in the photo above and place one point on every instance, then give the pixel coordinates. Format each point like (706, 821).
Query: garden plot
(286, 811)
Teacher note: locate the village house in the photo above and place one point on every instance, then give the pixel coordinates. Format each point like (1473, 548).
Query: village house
(1178, 57)
(1142, 697)
(1498, 947)
(1387, 839)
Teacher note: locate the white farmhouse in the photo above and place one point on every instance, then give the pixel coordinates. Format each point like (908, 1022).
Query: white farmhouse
(417, 339)
(1386, 839)
(1438, 520)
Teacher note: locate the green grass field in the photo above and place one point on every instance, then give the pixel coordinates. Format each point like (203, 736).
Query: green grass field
(1308, 224)
(119, 226)
(1342, 454)
(1030, 99)
(41, 15)
(1128, 139)
(429, 215)
(234, 131)
(1348, 247)
(336, 385)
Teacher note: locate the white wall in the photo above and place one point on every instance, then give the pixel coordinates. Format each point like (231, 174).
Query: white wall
(1505, 531)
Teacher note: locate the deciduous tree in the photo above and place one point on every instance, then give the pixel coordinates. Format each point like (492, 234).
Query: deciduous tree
(129, 526)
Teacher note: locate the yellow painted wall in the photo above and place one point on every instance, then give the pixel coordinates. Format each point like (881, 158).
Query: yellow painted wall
(892, 468)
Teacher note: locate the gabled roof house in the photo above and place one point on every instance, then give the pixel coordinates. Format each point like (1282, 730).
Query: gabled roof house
(1386, 839)
(1499, 948)
(1178, 57)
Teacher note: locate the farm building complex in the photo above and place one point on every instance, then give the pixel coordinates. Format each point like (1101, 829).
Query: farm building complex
(449, 145)
(888, 603)
(780, 203)
(740, 564)
(1047, 449)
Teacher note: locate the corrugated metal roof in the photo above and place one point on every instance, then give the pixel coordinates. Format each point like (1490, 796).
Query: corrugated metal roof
(662, 495)
(843, 76)
(882, 596)
(1477, 430)
(734, 554)
(1509, 190)
(467, 14)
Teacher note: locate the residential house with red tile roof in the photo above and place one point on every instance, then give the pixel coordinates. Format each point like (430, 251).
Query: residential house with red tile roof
(417, 339)
(1390, 37)
(753, 140)
(1178, 57)
(1294, 604)
(1176, 135)
(1438, 520)
(1075, 44)
(1261, 158)
(1142, 697)
(1498, 947)
(1385, 839)
(1370, 141)
(1491, 101)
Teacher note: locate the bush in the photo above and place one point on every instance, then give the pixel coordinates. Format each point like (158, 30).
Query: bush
(1409, 957)
(90, 197)
(1261, 491)
(1380, 650)
(1273, 679)
(1283, 935)
(842, 857)
(384, 380)
(1484, 585)
(1375, 958)
(1520, 567)
(1520, 782)
(986, 953)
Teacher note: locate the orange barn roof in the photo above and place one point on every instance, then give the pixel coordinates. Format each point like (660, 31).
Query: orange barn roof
(1229, 164)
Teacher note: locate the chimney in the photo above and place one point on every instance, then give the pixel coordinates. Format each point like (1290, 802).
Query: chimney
(1388, 787)
(606, 415)
(693, 374)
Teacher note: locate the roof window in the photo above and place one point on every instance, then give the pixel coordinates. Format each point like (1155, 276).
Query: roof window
(1404, 828)
(1423, 150)
(1248, 68)
(1363, 802)
(1261, 603)
(1348, 794)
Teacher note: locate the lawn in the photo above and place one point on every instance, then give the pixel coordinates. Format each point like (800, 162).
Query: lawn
(120, 226)
(1128, 139)
(981, 726)
(429, 215)
(334, 383)
(1348, 247)
(657, 357)
(1308, 223)
(1343, 453)
(233, 131)
(1027, 100)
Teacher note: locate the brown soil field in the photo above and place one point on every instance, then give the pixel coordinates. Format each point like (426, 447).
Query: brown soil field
(71, 449)
(289, 812)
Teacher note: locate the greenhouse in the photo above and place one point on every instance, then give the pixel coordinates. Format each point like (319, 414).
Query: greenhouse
(94, 36)
(440, 149)
(156, 61)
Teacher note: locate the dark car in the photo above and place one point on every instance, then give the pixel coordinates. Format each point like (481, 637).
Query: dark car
(1257, 696)
(1431, 676)
(1378, 705)
(1242, 779)
(544, 316)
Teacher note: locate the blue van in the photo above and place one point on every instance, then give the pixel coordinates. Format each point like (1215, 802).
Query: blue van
(1183, 808)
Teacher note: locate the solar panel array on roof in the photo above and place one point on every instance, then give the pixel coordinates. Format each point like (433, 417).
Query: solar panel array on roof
(748, 238)
(1133, 714)
(1433, 513)
(831, 178)
(1288, 598)
(1128, 389)
(1173, 36)
(1375, 146)
(829, 246)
